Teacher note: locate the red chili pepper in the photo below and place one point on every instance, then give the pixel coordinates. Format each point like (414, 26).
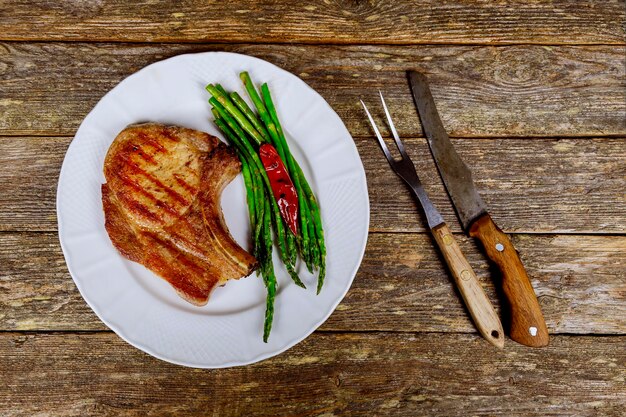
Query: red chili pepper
(282, 186)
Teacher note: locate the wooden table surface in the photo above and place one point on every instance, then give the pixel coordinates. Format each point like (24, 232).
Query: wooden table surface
(534, 96)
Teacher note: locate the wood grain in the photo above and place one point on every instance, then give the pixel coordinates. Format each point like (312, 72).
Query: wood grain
(522, 90)
(529, 186)
(317, 21)
(527, 325)
(474, 298)
(402, 285)
(536, 186)
(28, 181)
(379, 374)
(535, 94)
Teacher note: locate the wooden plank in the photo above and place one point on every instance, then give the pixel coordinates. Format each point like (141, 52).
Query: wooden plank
(326, 375)
(401, 286)
(530, 186)
(480, 91)
(28, 182)
(317, 21)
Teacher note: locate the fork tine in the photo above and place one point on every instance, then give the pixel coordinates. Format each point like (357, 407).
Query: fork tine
(378, 135)
(394, 132)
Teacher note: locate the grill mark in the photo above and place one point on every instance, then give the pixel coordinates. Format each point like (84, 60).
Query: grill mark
(159, 203)
(168, 190)
(156, 145)
(152, 142)
(176, 278)
(146, 157)
(138, 208)
(176, 253)
(184, 184)
(167, 134)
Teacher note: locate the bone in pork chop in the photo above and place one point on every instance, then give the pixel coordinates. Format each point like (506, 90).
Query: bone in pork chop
(162, 206)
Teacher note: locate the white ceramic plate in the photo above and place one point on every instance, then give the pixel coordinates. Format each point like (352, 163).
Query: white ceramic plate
(142, 308)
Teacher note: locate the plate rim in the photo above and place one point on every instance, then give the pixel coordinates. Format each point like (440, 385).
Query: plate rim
(261, 356)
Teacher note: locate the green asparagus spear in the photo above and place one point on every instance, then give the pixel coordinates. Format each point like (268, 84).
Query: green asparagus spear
(254, 96)
(264, 253)
(268, 273)
(319, 231)
(253, 191)
(247, 111)
(299, 175)
(298, 178)
(278, 223)
(264, 114)
(286, 256)
(221, 89)
(234, 112)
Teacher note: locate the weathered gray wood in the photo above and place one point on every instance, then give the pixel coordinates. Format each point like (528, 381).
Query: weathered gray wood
(401, 286)
(48, 88)
(380, 374)
(397, 22)
(536, 186)
(28, 181)
(529, 186)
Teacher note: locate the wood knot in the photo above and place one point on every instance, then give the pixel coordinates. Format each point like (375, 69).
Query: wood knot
(524, 67)
(337, 380)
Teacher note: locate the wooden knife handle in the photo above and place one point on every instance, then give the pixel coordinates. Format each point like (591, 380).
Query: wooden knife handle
(477, 302)
(527, 324)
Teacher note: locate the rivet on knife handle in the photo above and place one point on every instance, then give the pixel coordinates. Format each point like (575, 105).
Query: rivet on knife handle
(527, 324)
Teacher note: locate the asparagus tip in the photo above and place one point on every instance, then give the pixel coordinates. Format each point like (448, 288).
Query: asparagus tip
(320, 279)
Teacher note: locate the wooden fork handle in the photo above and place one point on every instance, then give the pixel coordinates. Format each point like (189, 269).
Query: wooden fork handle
(477, 302)
(527, 324)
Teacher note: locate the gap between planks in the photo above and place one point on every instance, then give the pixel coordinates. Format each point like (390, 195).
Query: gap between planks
(61, 135)
(383, 232)
(303, 43)
(79, 332)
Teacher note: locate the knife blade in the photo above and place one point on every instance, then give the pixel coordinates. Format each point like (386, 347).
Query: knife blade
(527, 325)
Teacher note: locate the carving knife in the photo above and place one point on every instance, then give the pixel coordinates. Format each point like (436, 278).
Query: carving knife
(527, 324)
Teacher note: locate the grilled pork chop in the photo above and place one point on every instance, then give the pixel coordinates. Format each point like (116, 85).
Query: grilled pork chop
(162, 207)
